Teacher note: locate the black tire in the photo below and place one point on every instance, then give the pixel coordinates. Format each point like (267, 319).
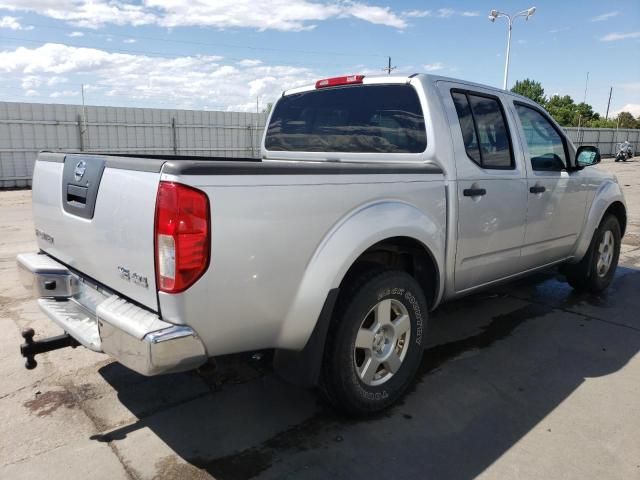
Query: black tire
(340, 381)
(585, 275)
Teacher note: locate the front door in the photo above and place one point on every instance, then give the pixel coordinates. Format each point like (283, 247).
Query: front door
(556, 198)
(491, 191)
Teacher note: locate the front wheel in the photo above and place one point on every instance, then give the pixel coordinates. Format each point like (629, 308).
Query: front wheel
(375, 342)
(595, 271)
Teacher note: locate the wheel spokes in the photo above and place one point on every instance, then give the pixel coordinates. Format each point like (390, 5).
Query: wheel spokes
(364, 339)
(383, 312)
(369, 369)
(392, 364)
(402, 325)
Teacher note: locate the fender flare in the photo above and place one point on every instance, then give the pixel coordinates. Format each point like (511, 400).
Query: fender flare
(608, 193)
(340, 248)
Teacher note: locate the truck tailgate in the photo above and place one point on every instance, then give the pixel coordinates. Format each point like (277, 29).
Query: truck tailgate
(96, 215)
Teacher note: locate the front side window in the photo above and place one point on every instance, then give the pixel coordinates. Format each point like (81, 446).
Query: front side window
(545, 144)
(484, 130)
(355, 119)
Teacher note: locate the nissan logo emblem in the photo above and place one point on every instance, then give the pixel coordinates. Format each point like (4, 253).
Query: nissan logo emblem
(79, 170)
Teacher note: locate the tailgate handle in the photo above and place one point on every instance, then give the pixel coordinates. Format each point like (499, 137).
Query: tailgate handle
(77, 194)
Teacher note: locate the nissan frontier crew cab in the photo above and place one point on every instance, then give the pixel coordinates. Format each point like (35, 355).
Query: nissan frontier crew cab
(375, 200)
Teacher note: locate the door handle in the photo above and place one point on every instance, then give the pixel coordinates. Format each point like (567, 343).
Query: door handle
(538, 189)
(474, 192)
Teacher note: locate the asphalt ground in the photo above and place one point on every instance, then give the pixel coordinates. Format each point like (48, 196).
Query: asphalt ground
(528, 380)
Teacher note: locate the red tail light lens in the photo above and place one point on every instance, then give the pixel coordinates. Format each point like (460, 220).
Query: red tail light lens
(182, 236)
(336, 81)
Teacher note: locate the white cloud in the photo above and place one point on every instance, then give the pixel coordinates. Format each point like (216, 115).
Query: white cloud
(85, 13)
(433, 67)
(129, 40)
(75, 34)
(417, 13)
(12, 23)
(445, 12)
(249, 62)
(285, 15)
(372, 14)
(197, 81)
(612, 37)
(64, 93)
(470, 14)
(632, 108)
(605, 16)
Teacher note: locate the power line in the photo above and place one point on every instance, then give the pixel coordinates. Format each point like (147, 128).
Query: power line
(224, 45)
(150, 53)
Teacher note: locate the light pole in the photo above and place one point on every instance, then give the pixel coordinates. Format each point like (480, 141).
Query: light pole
(510, 18)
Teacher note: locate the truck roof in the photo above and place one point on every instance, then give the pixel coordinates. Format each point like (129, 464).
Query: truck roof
(399, 79)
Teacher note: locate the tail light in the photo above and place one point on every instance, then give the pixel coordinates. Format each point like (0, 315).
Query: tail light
(182, 236)
(336, 81)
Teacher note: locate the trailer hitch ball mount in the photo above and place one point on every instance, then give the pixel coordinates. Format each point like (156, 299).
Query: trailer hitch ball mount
(30, 348)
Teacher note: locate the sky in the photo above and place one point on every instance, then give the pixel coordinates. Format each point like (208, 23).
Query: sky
(239, 55)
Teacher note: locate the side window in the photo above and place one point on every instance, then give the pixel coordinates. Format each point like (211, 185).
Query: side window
(546, 146)
(484, 130)
(466, 125)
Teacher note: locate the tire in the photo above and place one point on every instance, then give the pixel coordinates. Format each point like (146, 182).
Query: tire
(386, 313)
(595, 271)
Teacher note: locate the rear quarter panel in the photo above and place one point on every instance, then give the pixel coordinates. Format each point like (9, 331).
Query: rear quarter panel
(270, 274)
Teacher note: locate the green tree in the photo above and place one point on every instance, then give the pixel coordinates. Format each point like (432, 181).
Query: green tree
(626, 120)
(562, 109)
(530, 89)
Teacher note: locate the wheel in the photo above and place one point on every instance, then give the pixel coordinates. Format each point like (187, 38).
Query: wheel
(375, 342)
(596, 270)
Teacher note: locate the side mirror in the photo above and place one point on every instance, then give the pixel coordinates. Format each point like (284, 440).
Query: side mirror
(587, 156)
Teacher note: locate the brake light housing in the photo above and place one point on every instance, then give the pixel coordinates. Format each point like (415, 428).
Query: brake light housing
(182, 236)
(337, 81)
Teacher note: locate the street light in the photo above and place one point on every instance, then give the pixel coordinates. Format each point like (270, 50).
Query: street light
(496, 14)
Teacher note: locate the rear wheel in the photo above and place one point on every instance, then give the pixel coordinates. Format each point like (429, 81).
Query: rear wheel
(595, 271)
(374, 345)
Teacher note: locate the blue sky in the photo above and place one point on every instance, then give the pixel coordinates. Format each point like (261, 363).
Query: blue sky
(225, 54)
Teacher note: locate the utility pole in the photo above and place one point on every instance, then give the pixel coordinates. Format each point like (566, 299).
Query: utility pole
(389, 68)
(584, 101)
(84, 120)
(606, 117)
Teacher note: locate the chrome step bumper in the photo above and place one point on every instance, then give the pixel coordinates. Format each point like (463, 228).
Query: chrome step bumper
(105, 322)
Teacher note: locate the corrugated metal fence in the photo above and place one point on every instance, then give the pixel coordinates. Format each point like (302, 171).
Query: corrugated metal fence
(26, 128)
(605, 139)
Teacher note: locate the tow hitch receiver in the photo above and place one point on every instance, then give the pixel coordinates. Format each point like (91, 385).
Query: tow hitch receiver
(30, 348)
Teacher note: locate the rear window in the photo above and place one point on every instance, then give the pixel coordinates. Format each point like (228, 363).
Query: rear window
(361, 119)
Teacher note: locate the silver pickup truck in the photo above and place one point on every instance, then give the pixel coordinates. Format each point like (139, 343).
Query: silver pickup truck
(375, 200)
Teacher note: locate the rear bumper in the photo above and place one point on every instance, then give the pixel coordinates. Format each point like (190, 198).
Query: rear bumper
(104, 322)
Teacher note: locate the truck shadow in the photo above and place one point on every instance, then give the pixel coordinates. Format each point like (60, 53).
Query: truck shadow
(499, 363)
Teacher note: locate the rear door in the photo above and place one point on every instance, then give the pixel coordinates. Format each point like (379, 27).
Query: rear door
(491, 189)
(96, 214)
(556, 198)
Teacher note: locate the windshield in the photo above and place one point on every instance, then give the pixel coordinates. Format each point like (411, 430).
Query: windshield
(361, 119)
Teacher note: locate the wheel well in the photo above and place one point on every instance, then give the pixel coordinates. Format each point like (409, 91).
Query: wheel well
(617, 209)
(400, 253)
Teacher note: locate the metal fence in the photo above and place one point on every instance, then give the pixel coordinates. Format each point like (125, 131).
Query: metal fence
(26, 128)
(605, 139)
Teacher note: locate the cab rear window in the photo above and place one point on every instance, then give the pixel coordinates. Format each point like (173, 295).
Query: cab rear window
(360, 119)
